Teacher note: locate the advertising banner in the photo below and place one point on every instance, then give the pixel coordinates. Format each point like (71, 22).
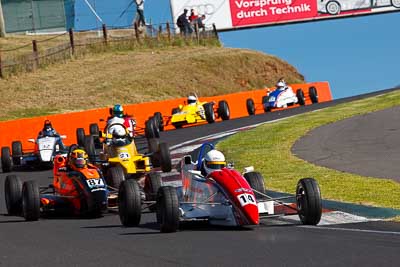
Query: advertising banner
(232, 14)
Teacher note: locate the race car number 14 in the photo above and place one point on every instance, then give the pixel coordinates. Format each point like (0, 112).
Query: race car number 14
(246, 199)
(95, 182)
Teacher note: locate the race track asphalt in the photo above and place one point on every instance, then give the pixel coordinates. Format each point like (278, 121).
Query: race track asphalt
(104, 242)
(368, 145)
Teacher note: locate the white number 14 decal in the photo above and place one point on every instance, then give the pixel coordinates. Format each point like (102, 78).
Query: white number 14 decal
(246, 199)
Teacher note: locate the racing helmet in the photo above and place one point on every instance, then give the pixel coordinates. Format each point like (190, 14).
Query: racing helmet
(280, 84)
(191, 99)
(213, 160)
(119, 132)
(78, 159)
(47, 125)
(118, 111)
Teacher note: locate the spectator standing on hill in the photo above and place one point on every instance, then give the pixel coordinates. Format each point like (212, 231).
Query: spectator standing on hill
(200, 22)
(192, 16)
(140, 12)
(184, 24)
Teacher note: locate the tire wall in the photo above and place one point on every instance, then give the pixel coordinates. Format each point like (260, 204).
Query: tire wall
(66, 124)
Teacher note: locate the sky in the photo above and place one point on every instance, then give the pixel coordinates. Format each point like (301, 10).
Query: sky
(355, 55)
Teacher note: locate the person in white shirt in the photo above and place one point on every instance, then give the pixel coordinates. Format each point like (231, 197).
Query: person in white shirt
(140, 13)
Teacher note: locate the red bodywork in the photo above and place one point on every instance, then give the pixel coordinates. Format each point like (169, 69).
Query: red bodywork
(240, 193)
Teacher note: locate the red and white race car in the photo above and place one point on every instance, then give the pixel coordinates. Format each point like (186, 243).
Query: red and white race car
(224, 197)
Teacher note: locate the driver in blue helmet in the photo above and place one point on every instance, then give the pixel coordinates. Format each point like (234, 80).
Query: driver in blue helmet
(49, 131)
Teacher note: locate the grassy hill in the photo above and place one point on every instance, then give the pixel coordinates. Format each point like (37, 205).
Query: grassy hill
(103, 79)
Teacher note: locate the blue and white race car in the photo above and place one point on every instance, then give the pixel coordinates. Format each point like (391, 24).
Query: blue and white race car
(282, 97)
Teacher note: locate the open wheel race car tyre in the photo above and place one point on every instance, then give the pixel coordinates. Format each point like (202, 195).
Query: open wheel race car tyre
(209, 112)
(153, 144)
(130, 203)
(223, 110)
(16, 152)
(80, 137)
(251, 109)
(151, 130)
(30, 201)
(256, 182)
(167, 209)
(264, 101)
(165, 158)
(308, 201)
(151, 185)
(94, 129)
(90, 147)
(13, 194)
(312, 91)
(159, 119)
(115, 176)
(300, 97)
(6, 161)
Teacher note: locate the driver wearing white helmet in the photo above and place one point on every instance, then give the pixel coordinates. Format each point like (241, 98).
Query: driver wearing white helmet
(119, 135)
(281, 85)
(213, 160)
(191, 100)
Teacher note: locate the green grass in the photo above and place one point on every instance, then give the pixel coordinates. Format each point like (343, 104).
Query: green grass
(268, 149)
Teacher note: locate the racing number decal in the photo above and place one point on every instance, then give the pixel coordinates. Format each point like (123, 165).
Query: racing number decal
(246, 199)
(124, 156)
(95, 182)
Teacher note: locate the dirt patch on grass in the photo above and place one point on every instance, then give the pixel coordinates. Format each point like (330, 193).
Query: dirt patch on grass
(139, 76)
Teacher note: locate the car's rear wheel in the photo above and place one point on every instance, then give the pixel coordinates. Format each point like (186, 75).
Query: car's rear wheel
(300, 97)
(167, 209)
(152, 184)
(80, 137)
(16, 152)
(94, 129)
(256, 182)
(312, 91)
(165, 157)
(90, 147)
(209, 112)
(250, 106)
(13, 194)
(130, 203)
(264, 101)
(6, 160)
(115, 176)
(223, 110)
(151, 130)
(308, 201)
(159, 120)
(30, 201)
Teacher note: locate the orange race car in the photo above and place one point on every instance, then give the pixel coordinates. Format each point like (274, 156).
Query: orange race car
(78, 188)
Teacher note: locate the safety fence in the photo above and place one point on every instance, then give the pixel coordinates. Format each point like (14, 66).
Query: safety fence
(66, 123)
(45, 50)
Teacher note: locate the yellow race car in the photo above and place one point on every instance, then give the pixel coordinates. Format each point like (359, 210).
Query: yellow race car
(120, 159)
(195, 111)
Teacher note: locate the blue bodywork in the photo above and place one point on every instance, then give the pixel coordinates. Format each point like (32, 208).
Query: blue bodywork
(273, 98)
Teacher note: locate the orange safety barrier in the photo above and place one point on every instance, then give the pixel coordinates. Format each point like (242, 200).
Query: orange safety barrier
(66, 124)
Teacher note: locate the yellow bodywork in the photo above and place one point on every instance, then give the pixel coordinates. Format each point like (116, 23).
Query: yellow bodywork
(189, 114)
(126, 156)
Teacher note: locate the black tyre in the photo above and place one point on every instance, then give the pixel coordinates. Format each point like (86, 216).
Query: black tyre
(94, 129)
(152, 185)
(223, 110)
(165, 158)
(6, 160)
(308, 201)
(115, 176)
(16, 152)
(167, 209)
(174, 111)
(251, 109)
(256, 182)
(151, 130)
(159, 119)
(264, 101)
(153, 144)
(13, 194)
(80, 137)
(209, 111)
(130, 203)
(30, 201)
(312, 91)
(89, 147)
(300, 97)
